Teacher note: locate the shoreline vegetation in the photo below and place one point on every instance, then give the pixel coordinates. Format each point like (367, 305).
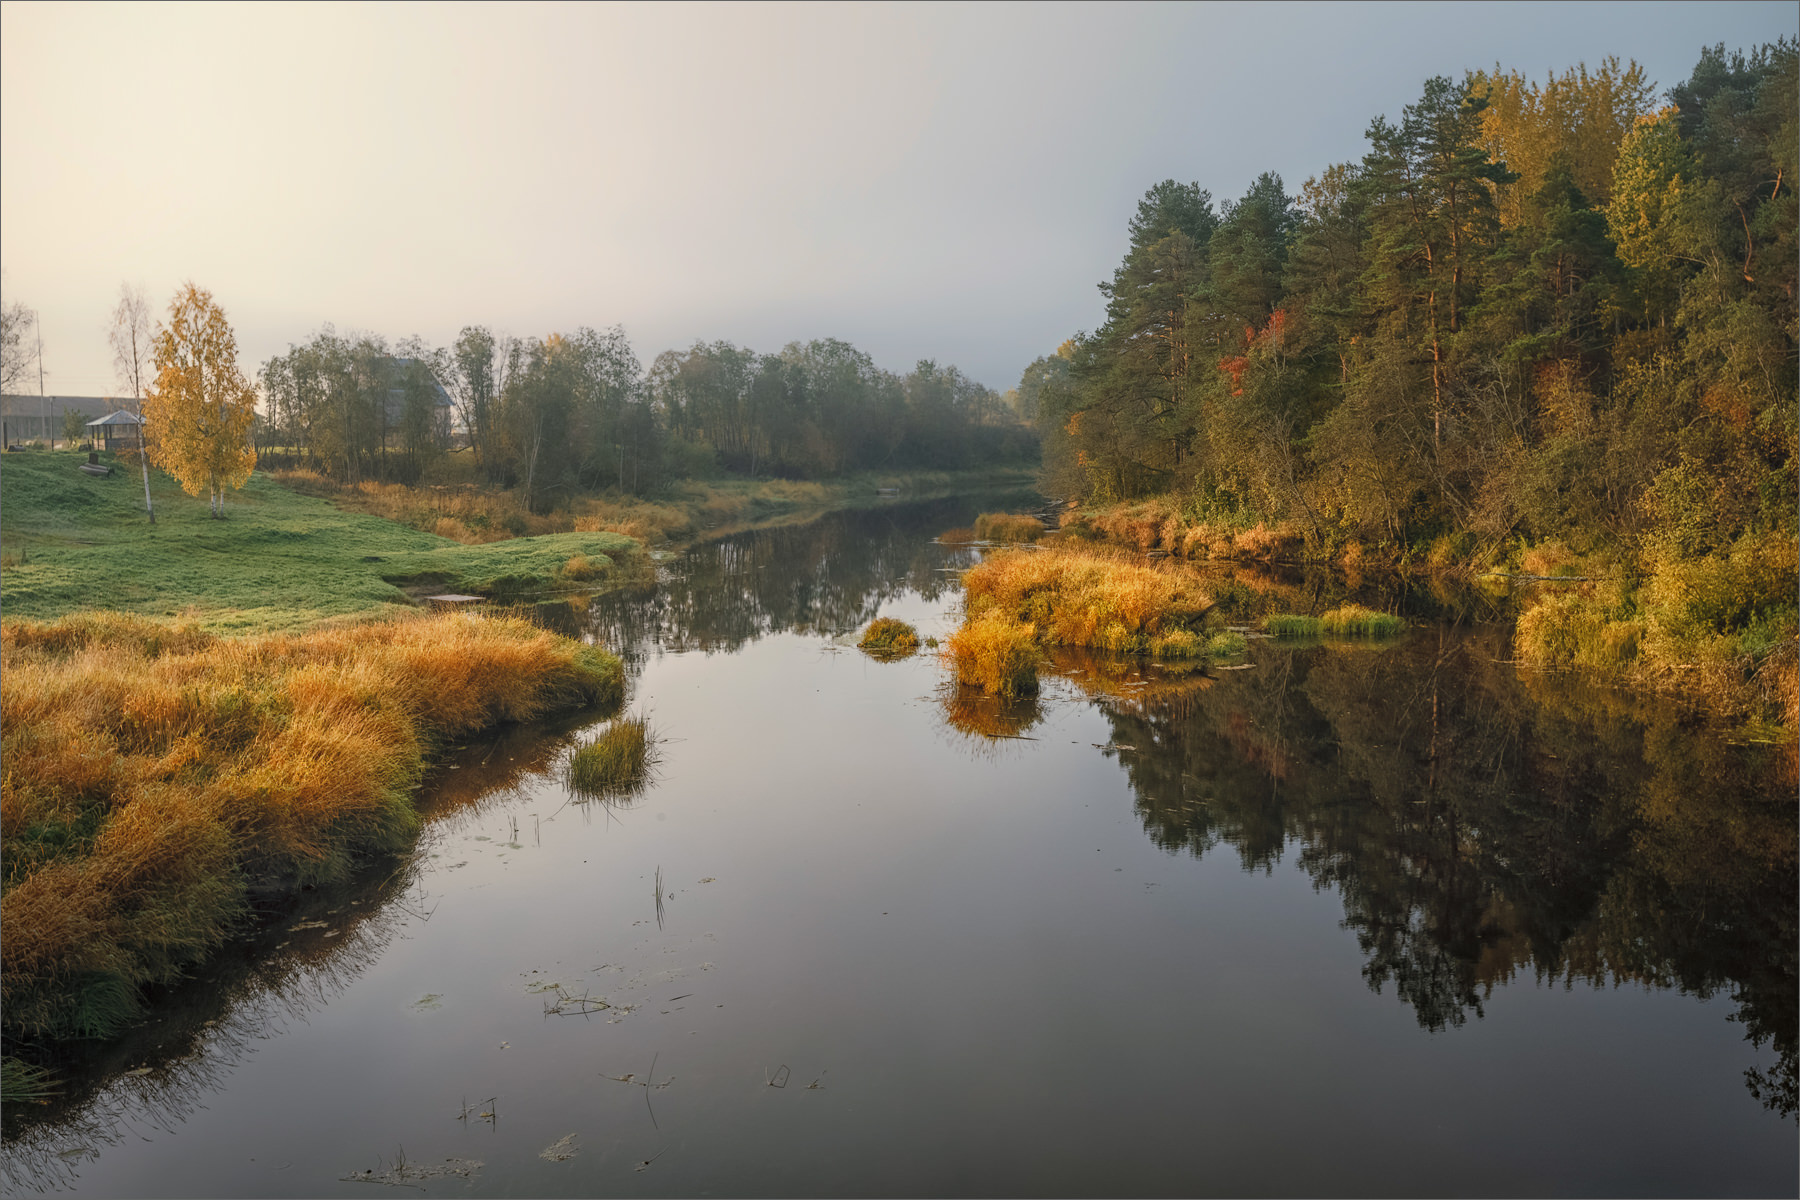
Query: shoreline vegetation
(455, 503)
(1539, 328)
(162, 782)
(1721, 634)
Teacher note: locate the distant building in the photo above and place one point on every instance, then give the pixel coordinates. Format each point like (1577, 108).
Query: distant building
(443, 408)
(40, 418)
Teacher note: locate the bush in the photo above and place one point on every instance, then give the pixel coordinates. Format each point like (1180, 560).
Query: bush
(888, 638)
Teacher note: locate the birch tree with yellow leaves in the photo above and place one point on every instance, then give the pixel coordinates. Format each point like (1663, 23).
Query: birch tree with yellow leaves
(200, 410)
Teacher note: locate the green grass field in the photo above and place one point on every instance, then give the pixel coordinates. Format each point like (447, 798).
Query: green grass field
(278, 561)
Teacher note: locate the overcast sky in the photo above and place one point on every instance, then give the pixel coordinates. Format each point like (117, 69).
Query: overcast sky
(926, 182)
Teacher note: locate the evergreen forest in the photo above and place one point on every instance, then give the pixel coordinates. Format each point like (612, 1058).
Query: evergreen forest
(1541, 325)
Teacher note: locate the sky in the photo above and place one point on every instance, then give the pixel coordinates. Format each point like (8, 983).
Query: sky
(925, 181)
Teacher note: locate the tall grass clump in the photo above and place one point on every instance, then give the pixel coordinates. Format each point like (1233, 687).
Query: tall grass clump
(1074, 596)
(996, 654)
(1017, 603)
(1292, 625)
(616, 762)
(1228, 644)
(158, 778)
(1008, 527)
(887, 637)
(25, 1083)
(1353, 620)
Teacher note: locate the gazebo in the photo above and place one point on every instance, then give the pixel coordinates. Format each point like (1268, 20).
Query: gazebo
(119, 426)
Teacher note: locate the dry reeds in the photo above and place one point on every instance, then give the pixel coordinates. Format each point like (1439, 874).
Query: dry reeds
(1017, 602)
(1080, 597)
(996, 654)
(1008, 527)
(887, 637)
(156, 775)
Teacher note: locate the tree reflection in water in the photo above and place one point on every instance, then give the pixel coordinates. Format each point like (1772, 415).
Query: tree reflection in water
(1479, 822)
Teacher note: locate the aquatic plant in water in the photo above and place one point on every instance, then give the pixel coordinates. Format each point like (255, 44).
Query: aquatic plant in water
(1353, 620)
(887, 637)
(615, 763)
(1008, 527)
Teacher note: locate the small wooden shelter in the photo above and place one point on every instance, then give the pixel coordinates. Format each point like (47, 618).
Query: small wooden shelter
(120, 427)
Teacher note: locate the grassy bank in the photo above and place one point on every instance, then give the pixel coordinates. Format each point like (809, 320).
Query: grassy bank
(452, 503)
(159, 778)
(279, 561)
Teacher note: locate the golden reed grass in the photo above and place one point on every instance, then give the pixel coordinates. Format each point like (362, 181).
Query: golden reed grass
(889, 637)
(157, 778)
(1016, 601)
(1008, 527)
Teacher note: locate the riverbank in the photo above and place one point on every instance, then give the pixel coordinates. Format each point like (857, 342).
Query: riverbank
(279, 561)
(1720, 631)
(162, 781)
(452, 503)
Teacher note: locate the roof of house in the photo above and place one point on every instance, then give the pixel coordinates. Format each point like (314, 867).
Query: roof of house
(119, 418)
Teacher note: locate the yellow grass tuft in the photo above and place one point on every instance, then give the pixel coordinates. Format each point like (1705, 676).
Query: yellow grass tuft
(580, 567)
(1353, 620)
(996, 654)
(887, 637)
(1018, 601)
(1084, 597)
(1008, 527)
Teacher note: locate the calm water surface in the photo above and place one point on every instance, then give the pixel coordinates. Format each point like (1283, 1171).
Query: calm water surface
(1358, 920)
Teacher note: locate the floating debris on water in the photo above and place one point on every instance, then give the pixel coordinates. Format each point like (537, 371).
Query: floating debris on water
(561, 1150)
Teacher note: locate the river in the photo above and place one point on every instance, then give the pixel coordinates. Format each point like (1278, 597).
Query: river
(1361, 919)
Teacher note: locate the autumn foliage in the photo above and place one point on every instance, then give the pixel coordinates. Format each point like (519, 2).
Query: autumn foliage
(200, 411)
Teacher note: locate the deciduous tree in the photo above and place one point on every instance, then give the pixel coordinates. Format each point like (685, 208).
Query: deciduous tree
(129, 337)
(200, 411)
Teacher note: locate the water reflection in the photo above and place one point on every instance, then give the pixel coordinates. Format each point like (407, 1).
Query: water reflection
(831, 577)
(1480, 823)
(303, 955)
(204, 1029)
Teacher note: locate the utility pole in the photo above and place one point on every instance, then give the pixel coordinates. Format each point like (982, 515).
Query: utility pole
(43, 407)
